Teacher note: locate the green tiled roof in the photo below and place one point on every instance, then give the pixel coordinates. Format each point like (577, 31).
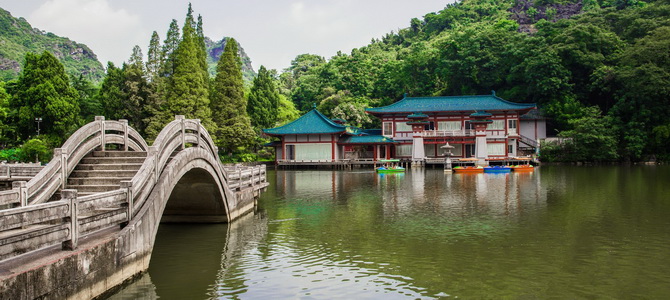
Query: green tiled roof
(417, 116)
(366, 139)
(450, 103)
(480, 114)
(312, 122)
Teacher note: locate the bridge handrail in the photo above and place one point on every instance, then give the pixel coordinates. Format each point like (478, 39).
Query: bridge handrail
(90, 136)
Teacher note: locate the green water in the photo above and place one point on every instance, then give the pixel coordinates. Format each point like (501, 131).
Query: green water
(559, 232)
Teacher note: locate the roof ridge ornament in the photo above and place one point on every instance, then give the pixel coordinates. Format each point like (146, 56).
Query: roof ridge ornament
(493, 92)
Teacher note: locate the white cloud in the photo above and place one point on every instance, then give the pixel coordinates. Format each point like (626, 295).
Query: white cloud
(107, 31)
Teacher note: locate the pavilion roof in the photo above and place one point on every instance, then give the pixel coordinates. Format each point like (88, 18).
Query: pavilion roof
(415, 105)
(313, 122)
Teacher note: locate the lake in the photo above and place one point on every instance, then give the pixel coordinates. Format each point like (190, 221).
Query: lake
(563, 232)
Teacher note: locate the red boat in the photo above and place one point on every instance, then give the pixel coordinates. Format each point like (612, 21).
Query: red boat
(522, 168)
(468, 169)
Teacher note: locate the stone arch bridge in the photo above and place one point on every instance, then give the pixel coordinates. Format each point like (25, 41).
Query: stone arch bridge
(88, 220)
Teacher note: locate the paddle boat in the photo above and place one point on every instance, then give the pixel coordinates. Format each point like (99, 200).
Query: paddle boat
(522, 168)
(497, 169)
(468, 169)
(390, 166)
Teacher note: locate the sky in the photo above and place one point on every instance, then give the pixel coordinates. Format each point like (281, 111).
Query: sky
(272, 32)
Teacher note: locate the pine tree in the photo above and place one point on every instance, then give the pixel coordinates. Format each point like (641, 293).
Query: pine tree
(154, 59)
(43, 91)
(169, 47)
(188, 87)
(112, 96)
(228, 104)
(136, 90)
(263, 100)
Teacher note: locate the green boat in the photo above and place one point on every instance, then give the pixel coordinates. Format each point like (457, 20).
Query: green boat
(390, 166)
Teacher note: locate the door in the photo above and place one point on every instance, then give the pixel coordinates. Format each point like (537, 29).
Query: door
(290, 152)
(469, 150)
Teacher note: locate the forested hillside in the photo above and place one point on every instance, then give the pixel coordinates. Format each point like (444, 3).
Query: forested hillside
(17, 38)
(603, 63)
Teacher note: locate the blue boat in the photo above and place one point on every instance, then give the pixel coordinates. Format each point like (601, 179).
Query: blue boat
(497, 169)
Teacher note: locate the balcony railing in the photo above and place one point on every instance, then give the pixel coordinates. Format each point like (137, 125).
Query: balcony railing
(442, 133)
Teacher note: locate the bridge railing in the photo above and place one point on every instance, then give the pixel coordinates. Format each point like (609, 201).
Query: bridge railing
(96, 134)
(243, 177)
(25, 229)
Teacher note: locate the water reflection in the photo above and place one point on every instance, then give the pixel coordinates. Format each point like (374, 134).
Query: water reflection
(564, 232)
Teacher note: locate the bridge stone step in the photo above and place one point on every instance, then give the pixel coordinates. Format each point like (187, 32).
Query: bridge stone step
(118, 154)
(102, 173)
(111, 160)
(96, 167)
(97, 188)
(96, 181)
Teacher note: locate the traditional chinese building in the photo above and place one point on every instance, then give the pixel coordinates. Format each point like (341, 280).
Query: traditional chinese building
(314, 138)
(483, 126)
(415, 128)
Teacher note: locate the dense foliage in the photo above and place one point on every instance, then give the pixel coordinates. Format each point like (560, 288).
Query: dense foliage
(597, 68)
(567, 56)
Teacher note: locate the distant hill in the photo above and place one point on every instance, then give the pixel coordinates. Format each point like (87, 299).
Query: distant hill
(214, 50)
(17, 37)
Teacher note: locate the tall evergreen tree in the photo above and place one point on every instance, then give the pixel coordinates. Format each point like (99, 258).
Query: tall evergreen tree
(228, 104)
(188, 88)
(169, 47)
(112, 96)
(154, 59)
(43, 91)
(263, 100)
(136, 89)
(88, 100)
(202, 47)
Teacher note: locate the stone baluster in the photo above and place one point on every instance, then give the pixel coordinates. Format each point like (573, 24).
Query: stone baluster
(153, 152)
(180, 118)
(197, 125)
(61, 153)
(125, 134)
(130, 201)
(101, 119)
(22, 186)
(70, 196)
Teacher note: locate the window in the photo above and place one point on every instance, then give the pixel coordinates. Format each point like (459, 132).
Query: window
(403, 150)
(497, 125)
(313, 152)
(429, 150)
(402, 126)
(449, 125)
(512, 124)
(495, 149)
(387, 129)
(510, 149)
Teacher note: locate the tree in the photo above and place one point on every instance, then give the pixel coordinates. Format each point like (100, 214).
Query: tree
(590, 139)
(228, 104)
(154, 58)
(88, 100)
(112, 96)
(169, 47)
(43, 91)
(263, 100)
(187, 89)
